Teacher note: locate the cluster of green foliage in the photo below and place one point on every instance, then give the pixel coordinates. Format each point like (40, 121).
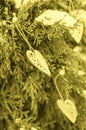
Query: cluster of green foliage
(27, 96)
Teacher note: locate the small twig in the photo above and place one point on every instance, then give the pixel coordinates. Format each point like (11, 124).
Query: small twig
(63, 5)
(72, 5)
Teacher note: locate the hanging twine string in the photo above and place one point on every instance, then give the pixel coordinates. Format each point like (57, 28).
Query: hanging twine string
(57, 87)
(24, 36)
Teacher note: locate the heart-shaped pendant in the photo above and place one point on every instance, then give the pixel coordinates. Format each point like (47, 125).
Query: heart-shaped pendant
(36, 58)
(68, 108)
(50, 17)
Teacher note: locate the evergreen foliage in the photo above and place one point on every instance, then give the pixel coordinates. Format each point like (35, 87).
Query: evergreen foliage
(27, 96)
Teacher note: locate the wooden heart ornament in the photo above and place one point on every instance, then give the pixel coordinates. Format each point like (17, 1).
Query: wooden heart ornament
(68, 108)
(50, 17)
(36, 58)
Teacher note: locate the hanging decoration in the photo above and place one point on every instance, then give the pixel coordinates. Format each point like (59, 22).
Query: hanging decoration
(50, 17)
(68, 108)
(36, 58)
